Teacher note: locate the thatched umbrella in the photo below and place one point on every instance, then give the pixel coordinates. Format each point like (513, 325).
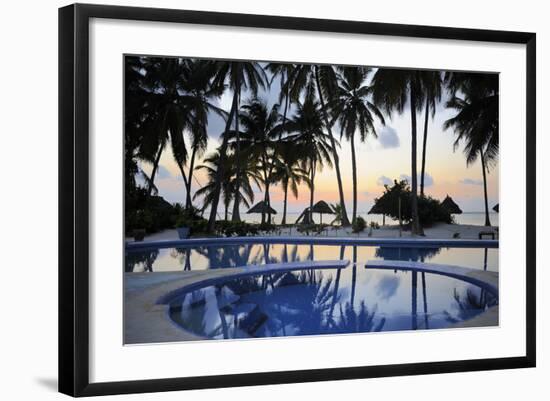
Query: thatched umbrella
(304, 217)
(262, 208)
(322, 207)
(495, 208)
(449, 204)
(377, 209)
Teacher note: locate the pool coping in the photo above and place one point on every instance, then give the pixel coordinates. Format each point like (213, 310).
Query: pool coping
(309, 240)
(153, 300)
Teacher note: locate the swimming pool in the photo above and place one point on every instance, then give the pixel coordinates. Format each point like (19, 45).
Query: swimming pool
(328, 302)
(348, 298)
(214, 256)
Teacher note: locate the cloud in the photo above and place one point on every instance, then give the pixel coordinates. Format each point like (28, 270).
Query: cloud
(387, 287)
(163, 173)
(383, 180)
(388, 138)
(428, 179)
(470, 181)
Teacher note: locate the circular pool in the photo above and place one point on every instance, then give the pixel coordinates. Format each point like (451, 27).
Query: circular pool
(328, 301)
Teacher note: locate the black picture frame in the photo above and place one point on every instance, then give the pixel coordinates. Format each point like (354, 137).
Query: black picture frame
(74, 198)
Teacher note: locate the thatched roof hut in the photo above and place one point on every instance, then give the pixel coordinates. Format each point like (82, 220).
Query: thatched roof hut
(322, 207)
(262, 207)
(495, 208)
(304, 217)
(449, 204)
(376, 209)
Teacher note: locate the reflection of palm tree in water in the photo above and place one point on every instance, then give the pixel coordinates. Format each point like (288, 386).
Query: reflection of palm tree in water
(425, 301)
(227, 256)
(337, 281)
(183, 254)
(361, 321)
(471, 305)
(410, 254)
(145, 258)
(353, 275)
(278, 313)
(414, 314)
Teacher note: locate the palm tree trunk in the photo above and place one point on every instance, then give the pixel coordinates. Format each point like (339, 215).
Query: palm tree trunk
(415, 227)
(414, 312)
(188, 202)
(353, 276)
(354, 175)
(311, 191)
(154, 172)
(285, 186)
(265, 187)
(267, 198)
(285, 111)
(483, 168)
(345, 220)
(183, 175)
(426, 326)
(267, 202)
(237, 199)
(219, 171)
(423, 171)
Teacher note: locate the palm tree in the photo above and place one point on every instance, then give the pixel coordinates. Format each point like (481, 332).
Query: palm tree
(311, 79)
(310, 140)
(199, 94)
(476, 121)
(284, 72)
(392, 90)
(261, 129)
(238, 75)
(288, 171)
(355, 112)
(433, 85)
(211, 166)
(169, 111)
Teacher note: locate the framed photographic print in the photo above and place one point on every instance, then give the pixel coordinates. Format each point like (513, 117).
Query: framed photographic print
(250, 199)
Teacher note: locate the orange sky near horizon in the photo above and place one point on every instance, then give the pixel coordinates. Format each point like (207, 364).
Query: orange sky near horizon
(448, 171)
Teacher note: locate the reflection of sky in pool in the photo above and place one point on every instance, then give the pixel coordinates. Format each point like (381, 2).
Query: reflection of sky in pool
(211, 257)
(330, 301)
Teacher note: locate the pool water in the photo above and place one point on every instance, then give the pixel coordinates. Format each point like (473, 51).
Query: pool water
(220, 256)
(329, 301)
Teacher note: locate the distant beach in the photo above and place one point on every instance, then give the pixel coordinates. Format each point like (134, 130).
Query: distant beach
(467, 218)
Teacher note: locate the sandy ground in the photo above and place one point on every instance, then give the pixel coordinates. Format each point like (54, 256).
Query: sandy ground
(439, 231)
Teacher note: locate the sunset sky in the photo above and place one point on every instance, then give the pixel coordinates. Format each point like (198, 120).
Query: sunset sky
(379, 161)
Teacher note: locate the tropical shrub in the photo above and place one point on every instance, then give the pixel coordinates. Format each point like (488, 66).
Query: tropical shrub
(311, 228)
(241, 228)
(430, 210)
(191, 218)
(149, 213)
(358, 225)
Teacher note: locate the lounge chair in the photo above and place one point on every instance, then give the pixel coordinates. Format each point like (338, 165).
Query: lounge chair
(486, 233)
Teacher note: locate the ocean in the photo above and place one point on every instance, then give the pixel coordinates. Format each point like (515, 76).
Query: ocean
(469, 218)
